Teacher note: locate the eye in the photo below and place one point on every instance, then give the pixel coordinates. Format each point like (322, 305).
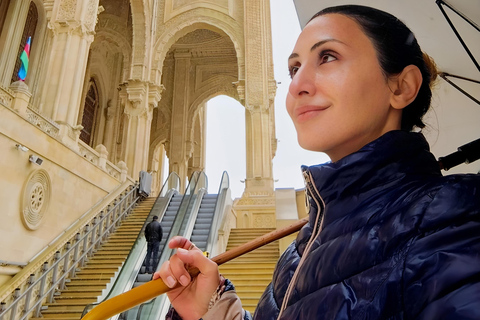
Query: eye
(292, 70)
(327, 56)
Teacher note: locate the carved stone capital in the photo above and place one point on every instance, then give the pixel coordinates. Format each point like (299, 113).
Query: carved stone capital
(110, 111)
(256, 108)
(155, 94)
(240, 86)
(136, 90)
(272, 89)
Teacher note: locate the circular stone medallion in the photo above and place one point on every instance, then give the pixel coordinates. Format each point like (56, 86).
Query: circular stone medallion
(36, 197)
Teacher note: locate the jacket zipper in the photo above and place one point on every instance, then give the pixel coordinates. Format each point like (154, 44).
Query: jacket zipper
(315, 195)
(312, 191)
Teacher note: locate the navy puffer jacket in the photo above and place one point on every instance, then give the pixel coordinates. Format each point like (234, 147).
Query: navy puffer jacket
(397, 241)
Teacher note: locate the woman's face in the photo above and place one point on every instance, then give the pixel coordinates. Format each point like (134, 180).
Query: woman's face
(339, 99)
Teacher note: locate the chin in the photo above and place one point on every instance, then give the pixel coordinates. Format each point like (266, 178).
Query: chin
(309, 145)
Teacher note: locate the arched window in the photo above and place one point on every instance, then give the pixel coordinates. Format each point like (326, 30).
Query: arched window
(3, 12)
(89, 114)
(28, 31)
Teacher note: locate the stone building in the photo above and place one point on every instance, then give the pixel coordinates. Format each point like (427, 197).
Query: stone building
(114, 87)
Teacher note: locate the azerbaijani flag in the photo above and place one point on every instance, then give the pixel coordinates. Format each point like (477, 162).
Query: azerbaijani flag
(22, 73)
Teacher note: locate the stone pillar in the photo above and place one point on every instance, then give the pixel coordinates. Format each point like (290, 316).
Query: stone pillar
(72, 26)
(123, 171)
(11, 37)
(141, 98)
(198, 138)
(157, 165)
(109, 134)
(256, 208)
(103, 155)
(180, 147)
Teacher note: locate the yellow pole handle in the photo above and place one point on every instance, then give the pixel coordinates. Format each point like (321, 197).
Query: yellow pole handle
(153, 288)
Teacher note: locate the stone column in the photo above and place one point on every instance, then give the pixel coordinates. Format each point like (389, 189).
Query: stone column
(180, 148)
(141, 98)
(72, 27)
(198, 138)
(256, 208)
(11, 37)
(109, 134)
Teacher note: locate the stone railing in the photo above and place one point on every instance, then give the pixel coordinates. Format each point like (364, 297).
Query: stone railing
(17, 100)
(46, 125)
(6, 97)
(99, 158)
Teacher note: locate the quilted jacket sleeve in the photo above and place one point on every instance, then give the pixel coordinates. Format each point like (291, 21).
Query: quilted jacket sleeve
(442, 268)
(228, 307)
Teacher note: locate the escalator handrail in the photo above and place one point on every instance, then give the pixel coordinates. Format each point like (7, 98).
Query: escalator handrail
(194, 192)
(218, 212)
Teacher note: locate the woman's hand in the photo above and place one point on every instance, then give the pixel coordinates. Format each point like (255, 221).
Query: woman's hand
(190, 297)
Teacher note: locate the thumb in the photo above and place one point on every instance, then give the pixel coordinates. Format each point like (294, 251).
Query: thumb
(196, 259)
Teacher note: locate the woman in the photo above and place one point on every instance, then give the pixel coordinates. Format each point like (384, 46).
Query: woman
(389, 237)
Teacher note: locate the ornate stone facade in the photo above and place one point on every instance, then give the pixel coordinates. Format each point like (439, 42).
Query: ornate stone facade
(141, 73)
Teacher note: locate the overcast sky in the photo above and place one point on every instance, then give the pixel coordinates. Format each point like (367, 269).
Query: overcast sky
(226, 120)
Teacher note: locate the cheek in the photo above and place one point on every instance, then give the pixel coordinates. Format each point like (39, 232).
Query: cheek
(290, 103)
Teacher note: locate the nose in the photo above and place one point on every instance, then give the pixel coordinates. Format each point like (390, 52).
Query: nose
(303, 82)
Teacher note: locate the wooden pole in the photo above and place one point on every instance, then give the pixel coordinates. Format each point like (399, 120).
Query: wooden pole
(151, 289)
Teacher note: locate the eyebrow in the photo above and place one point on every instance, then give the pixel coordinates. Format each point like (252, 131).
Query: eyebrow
(316, 45)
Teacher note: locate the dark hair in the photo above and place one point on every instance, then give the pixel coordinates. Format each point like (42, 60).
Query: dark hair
(155, 217)
(396, 48)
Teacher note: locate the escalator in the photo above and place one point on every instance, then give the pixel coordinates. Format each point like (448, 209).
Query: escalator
(133, 271)
(201, 226)
(196, 217)
(203, 223)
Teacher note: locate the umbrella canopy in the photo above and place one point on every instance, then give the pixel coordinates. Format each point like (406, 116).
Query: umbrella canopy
(455, 117)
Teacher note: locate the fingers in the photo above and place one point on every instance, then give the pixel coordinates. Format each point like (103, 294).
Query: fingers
(175, 270)
(179, 242)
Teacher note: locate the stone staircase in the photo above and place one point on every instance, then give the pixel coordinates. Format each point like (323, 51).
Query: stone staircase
(252, 272)
(89, 282)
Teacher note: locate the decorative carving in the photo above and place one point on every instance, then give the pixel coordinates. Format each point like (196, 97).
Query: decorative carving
(263, 221)
(240, 86)
(88, 153)
(36, 198)
(67, 9)
(256, 202)
(91, 17)
(272, 89)
(176, 7)
(6, 97)
(46, 125)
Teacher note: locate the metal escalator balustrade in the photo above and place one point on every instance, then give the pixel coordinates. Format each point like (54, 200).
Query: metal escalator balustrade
(202, 225)
(129, 273)
(184, 221)
(182, 226)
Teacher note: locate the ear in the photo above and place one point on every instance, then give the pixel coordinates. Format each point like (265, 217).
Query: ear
(405, 87)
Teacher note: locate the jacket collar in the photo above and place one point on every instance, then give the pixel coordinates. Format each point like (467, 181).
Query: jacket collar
(390, 158)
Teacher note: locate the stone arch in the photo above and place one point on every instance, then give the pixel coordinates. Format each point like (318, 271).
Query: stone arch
(200, 100)
(185, 24)
(118, 39)
(141, 38)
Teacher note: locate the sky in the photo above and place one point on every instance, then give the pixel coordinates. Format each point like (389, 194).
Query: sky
(225, 150)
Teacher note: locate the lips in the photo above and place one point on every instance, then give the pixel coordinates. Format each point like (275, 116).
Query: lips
(304, 113)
